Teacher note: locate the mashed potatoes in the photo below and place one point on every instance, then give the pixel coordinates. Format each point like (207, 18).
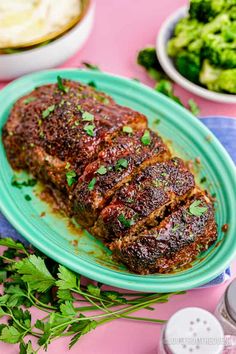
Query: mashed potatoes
(24, 21)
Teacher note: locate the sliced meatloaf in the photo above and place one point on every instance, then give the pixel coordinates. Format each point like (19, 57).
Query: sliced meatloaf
(145, 199)
(65, 130)
(110, 172)
(174, 243)
(115, 166)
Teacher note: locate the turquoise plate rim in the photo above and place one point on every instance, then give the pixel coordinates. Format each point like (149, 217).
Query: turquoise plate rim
(167, 283)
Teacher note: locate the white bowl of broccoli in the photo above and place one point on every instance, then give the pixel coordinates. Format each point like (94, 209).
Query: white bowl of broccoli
(197, 49)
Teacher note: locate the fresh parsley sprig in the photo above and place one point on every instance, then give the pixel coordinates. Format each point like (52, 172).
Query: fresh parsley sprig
(30, 279)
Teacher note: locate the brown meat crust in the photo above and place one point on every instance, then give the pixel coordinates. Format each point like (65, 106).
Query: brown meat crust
(61, 134)
(126, 149)
(145, 199)
(173, 244)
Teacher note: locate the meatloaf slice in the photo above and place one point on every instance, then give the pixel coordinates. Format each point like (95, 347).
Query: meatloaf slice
(177, 241)
(115, 166)
(145, 199)
(70, 125)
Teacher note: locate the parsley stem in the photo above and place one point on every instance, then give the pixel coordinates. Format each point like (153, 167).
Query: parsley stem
(146, 319)
(8, 259)
(89, 295)
(42, 304)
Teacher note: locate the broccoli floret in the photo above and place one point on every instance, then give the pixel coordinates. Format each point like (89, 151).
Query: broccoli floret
(219, 51)
(209, 75)
(189, 65)
(186, 31)
(217, 79)
(227, 81)
(148, 59)
(216, 25)
(206, 10)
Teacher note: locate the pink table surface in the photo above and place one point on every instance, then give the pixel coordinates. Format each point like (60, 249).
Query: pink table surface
(121, 28)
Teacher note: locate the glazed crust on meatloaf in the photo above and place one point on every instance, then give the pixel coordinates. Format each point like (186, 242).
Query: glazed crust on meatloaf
(127, 190)
(173, 244)
(145, 199)
(115, 166)
(61, 137)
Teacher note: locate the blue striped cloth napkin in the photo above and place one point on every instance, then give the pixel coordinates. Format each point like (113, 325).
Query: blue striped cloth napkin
(225, 130)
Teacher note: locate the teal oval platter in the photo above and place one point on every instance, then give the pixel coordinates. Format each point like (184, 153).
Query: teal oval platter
(80, 251)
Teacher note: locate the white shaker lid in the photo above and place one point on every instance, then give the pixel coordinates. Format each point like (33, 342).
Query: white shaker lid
(193, 331)
(230, 299)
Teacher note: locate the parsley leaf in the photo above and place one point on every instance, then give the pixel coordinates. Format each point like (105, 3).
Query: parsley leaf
(71, 177)
(196, 210)
(146, 138)
(26, 348)
(125, 222)
(88, 117)
(29, 99)
(92, 184)
(127, 129)
(67, 309)
(67, 279)
(60, 85)
(193, 107)
(9, 242)
(28, 197)
(47, 111)
(121, 163)
(31, 182)
(102, 170)
(83, 327)
(89, 129)
(91, 66)
(35, 273)
(92, 84)
(10, 335)
(94, 290)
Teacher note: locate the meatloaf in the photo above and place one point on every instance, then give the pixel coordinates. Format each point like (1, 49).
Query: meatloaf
(111, 173)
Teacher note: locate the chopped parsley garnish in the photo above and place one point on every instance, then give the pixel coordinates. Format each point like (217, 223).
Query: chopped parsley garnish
(28, 197)
(125, 222)
(92, 184)
(88, 117)
(31, 182)
(67, 166)
(196, 210)
(29, 99)
(92, 84)
(71, 177)
(193, 107)
(203, 179)
(156, 183)
(127, 129)
(91, 66)
(146, 138)
(47, 111)
(102, 170)
(60, 85)
(121, 163)
(89, 129)
(157, 121)
(105, 100)
(176, 227)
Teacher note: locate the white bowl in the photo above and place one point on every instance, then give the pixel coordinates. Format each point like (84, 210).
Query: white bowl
(50, 55)
(165, 33)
